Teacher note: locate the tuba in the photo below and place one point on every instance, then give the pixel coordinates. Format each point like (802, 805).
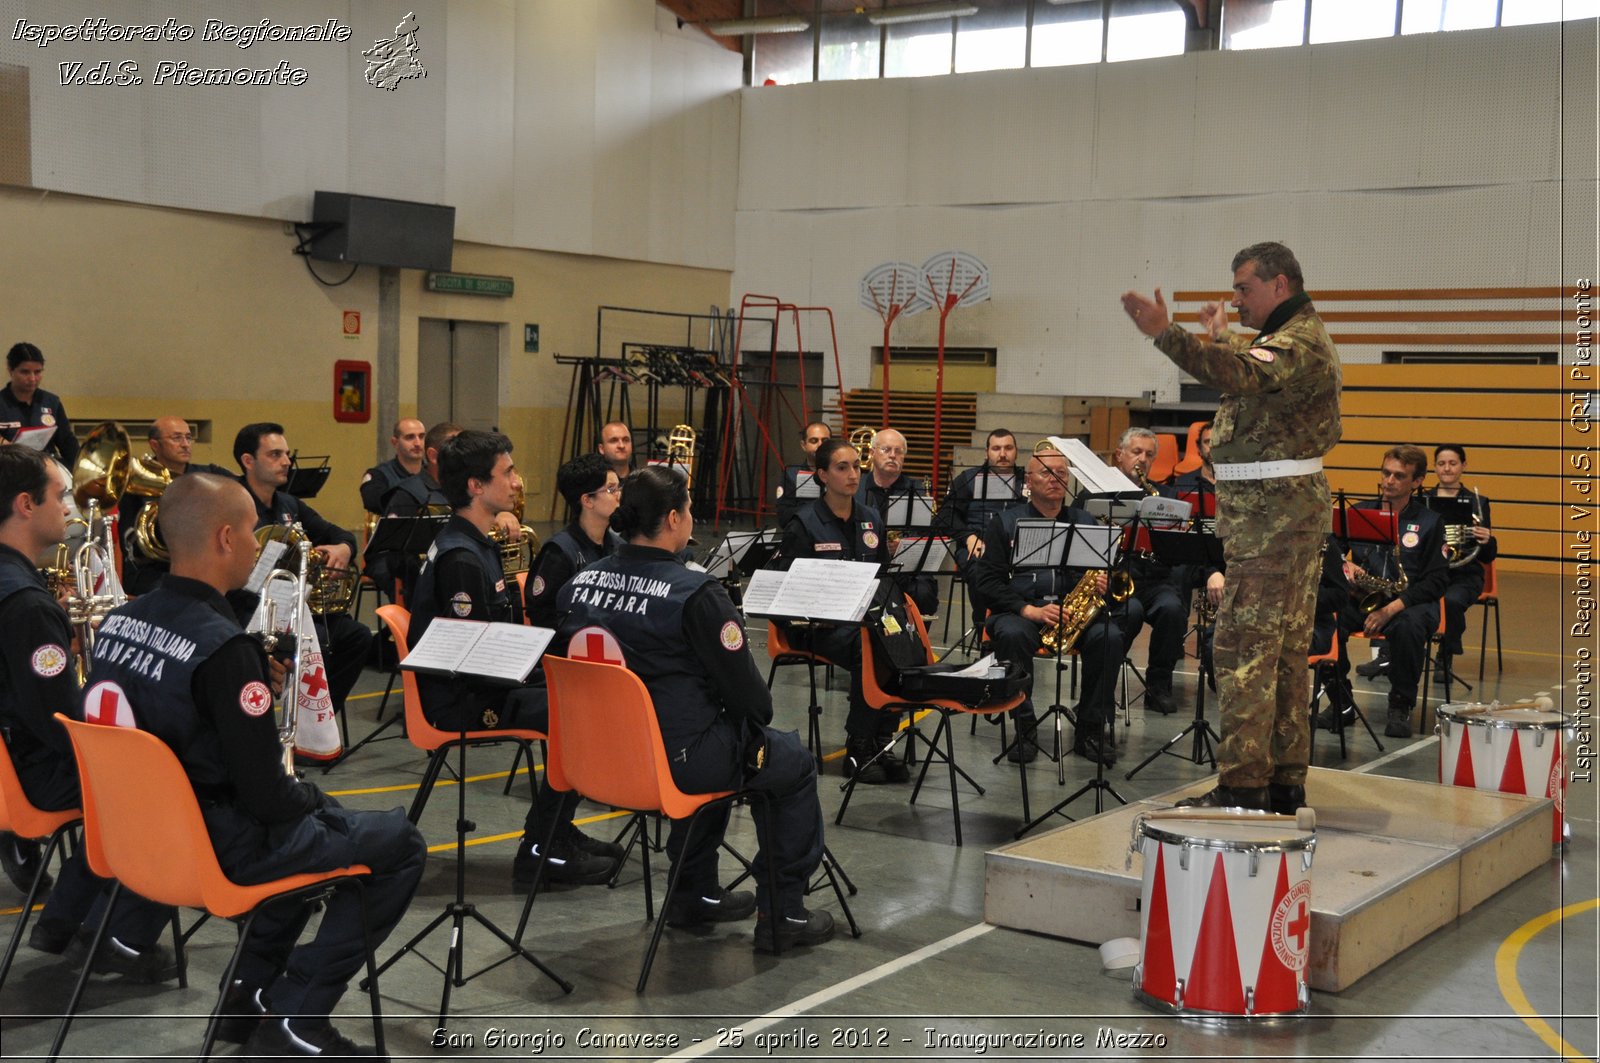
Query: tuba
(861, 439)
(327, 590)
(149, 479)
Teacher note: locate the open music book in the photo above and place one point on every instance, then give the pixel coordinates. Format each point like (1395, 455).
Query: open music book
(507, 652)
(813, 589)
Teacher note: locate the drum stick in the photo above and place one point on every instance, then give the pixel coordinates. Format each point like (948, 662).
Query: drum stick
(1304, 819)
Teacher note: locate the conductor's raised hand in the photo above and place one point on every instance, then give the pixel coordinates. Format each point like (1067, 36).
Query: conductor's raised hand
(1148, 315)
(1214, 319)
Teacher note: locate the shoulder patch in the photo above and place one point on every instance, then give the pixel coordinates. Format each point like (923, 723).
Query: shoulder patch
(870, 539)
(47, 419)
(1263, 354)
(461, 603)
(538, 586)
(732, 636)
(255, 699)
(1409, 540)
(49, 660)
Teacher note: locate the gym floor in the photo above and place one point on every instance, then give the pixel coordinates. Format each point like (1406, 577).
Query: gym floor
(928, 979)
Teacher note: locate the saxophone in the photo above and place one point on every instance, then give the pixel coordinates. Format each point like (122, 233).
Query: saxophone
(1079, 609)
(1375, 592)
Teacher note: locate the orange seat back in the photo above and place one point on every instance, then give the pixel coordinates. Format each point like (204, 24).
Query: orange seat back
(421, 733)
(777, 641)
(605, 741)
(1491, 583)
(1191, 451)
(141, 822)
(1166, 459)
(19, 815)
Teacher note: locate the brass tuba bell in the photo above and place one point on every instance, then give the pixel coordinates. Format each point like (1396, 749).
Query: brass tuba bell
(148, 478)
(103, 465)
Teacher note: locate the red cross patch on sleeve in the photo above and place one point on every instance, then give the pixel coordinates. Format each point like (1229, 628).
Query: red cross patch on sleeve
(255, 699)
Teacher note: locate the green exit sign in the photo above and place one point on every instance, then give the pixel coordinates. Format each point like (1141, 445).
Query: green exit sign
(469, 284)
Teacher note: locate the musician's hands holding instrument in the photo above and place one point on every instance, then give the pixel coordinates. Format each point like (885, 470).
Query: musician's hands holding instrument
(1149, 316)
(1214, 586)
(508, 523)
(335, 556)
(974, 546)
(276, 670)
(1378, 618)
(1047, 615)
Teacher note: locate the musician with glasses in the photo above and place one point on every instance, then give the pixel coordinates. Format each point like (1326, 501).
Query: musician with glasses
(1406, 621)
(26, 409)
(37, 680)
(463, 579)
(592, 492)
(176, 663)
(1025, 599)
(812, 436)
(886, 483)
(172, 447)
(262, 453)
(1476, 539)
(840, 527)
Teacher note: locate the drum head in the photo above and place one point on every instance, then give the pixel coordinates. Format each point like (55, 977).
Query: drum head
(1518, 717)
(1230, 835)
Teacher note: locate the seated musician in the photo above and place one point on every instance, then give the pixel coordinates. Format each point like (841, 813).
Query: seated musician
(812, 436)
(380, 481)
(171, 445)
(1208, 582)
(1161, 590)
(462, 579)
(207, 697)
(1406, 622)
(263, 455)
(975, 495)
(689, 650)
(1023, 601)
(592, 490)
(1333, 597)
(417, 495)
(37, 680)
(840, 527)
(615, 445)
(884, 483)
(1466, 576)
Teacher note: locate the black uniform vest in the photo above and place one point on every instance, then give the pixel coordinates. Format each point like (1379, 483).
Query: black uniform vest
(641, 602)
(865, 524)
(417, 489)
(149, 650)
(18, 576)
(580, 554)
(448, 701)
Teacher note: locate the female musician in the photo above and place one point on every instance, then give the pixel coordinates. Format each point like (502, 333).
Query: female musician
(682, 637)
(836, 527)
(1466, 580)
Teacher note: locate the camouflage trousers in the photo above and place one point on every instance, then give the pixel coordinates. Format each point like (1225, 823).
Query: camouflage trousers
(1262, 638)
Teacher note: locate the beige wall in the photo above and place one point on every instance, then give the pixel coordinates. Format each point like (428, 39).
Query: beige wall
(143, 311)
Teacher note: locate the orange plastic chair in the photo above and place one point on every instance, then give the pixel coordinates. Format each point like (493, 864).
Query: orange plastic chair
(783, 654)
(142, 827)
(434, 742)
(1191, 451)
(22, 818)
(1489, 598)
(1166, 460)
(605, 743)
(878, 698)
(1336, 695)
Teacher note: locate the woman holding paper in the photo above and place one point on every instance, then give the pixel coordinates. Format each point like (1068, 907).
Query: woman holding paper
(836, 527)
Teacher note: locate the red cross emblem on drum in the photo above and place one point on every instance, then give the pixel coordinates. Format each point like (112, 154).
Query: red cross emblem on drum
(106, 703)
(596, 644)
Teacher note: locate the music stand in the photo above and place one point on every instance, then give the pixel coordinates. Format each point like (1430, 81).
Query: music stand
(1460, 511)
(1204, 550)
(1371, 527)
(306, 482)
(456, 912)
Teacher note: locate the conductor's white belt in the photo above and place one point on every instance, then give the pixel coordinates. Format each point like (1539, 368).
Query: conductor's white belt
(1268, 470)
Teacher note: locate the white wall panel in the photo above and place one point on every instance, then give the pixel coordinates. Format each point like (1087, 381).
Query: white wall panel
(480, 121)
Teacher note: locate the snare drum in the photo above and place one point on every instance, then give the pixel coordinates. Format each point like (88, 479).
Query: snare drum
(1513, 749)
(1225, 924)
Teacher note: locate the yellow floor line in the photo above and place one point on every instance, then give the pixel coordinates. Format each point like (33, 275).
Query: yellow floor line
(1505, 969)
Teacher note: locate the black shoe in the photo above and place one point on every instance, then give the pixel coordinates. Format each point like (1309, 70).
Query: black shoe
(1374, 668)
(1159, 698)
(859, 765)
(51, 935)
(1095, 750)
(1286, 798)
(566, 866)
(895, 767)
(1399, 725)
(147, 967)
(1025, 750)
(724, 906)
(1256, 797)
(20, 857)
(243, 1008)
(807, 928)
(274, 1039)
(1328, 719)
(593, 846)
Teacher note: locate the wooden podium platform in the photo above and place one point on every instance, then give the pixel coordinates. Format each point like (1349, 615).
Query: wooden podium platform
(1395, 860)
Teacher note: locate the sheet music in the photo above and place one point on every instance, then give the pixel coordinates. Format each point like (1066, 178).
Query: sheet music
(1093, 546)
(908, 511)
(1095, 474)
(35, 438)
(826, 590)
(506, 651)
(264, 566)
(807, 485)
(1039, 543)
(285, 603)
(915, 554)
(761, 590)
(985, 667)
(1117, 511)
(990, 486)
(443, 645)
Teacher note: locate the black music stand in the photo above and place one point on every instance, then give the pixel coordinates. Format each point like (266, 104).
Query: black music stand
(459, 910)
(1460, 511)
(1201, 549)
(305, 482)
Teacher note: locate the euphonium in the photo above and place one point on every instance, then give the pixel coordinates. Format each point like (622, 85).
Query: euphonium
(861, 439)
(1079, 609)
(149, 478)
(330, 590)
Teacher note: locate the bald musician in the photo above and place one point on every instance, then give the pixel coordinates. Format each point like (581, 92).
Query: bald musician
(172, 447)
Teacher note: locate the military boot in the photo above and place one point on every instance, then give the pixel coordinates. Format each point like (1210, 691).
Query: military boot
(1256, 797)
(1399, 725)
(1286, 798)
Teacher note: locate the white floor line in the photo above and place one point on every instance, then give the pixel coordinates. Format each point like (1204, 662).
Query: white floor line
(839, 989)
(1404, 751)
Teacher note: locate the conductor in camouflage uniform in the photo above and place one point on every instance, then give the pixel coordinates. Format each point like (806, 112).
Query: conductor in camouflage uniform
(1279, 416)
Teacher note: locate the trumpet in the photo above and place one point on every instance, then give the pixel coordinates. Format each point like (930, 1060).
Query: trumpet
(272, 639)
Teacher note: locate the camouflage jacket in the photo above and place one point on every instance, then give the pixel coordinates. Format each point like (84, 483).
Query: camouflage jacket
(1280, 400)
